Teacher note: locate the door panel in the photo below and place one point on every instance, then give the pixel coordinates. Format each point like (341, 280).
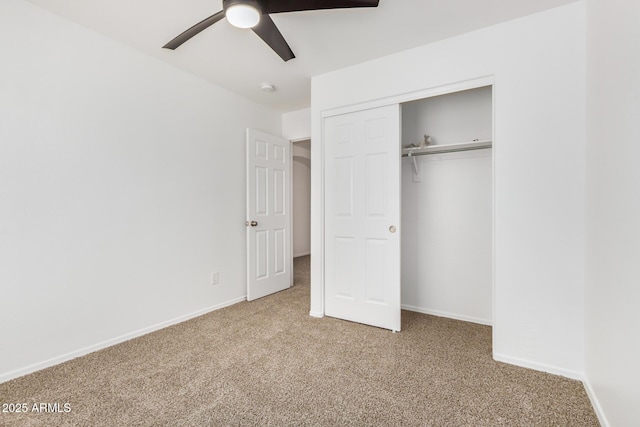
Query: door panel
(375, 271)
(268, 207)
(362, 214)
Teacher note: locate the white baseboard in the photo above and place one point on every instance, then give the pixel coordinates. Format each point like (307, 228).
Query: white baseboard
(316, 314)
(301, 254)
(448, 315)
(597, 407)
(108, 343)
(574, 375)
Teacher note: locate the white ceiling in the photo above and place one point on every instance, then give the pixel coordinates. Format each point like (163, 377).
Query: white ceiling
(321, 40)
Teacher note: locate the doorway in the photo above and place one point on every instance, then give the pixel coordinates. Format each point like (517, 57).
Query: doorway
(301, 211)
(301, 197)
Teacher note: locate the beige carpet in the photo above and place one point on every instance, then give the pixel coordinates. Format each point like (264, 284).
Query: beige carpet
(268, 363)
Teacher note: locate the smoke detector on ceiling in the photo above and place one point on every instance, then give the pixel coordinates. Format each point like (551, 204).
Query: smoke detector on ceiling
(267, 87)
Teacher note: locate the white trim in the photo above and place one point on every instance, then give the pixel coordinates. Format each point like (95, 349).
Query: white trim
(304, 139)
(555, 370)
(411, 96)
(321, 227)
(113, 341)
(494, 156)
(574, 375)
(290, 207)
(597, 407)
(447, 315)
(317, 314)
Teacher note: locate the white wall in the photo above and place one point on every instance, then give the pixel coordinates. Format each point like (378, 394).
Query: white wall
(613, 210)
(537, 63)
(457, 117)
(447, 235)
(296, 125)
(301, 200)
(121, 190)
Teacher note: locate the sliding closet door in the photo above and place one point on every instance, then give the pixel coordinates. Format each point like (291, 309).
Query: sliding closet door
(362, 215)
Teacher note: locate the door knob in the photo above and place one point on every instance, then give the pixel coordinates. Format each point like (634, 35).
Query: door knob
(252, 223)
(392, 229)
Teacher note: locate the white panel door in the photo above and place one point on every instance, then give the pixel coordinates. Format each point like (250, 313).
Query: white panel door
(362, 215)
(269, 261)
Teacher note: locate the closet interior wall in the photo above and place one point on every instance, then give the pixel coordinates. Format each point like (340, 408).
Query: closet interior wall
(447, 208)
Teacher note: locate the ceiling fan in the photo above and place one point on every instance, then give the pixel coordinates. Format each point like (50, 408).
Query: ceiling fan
(254, 14)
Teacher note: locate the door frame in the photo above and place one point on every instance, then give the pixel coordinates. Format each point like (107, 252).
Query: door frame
(317, 257)
(290, 207)
(292, 143)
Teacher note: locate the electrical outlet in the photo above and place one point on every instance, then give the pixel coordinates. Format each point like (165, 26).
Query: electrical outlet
(215, 277)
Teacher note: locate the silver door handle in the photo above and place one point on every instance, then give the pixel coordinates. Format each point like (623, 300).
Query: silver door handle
(392, 229)
(252, 223)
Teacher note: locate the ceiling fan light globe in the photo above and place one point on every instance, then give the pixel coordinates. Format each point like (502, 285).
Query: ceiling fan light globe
(243, 15)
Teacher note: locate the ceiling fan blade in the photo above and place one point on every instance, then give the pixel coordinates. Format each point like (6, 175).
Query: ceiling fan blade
(268, 32)
(280, 6)
(200, 26)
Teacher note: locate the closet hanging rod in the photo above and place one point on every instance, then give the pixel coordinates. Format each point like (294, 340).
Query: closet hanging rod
(446, 148)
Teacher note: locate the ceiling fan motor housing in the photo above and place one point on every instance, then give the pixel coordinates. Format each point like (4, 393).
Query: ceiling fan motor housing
(226, 4)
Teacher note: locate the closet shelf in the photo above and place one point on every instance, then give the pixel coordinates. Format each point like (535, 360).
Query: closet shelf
(446, 148)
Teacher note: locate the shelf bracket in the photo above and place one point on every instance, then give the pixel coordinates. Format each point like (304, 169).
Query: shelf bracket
(416, 171)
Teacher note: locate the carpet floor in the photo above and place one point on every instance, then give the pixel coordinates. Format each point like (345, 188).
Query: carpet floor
(268, 363)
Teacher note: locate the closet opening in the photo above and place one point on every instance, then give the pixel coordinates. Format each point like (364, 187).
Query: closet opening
(447, 205)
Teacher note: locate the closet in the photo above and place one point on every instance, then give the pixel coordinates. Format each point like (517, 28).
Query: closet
(446, 205)
(412, 232)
